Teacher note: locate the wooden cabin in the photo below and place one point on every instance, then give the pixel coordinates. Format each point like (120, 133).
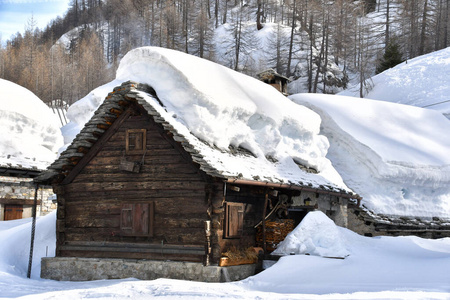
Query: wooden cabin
(276, 80)
(132, 191)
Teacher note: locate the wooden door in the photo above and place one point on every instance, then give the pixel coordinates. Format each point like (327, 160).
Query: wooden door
(13, 212)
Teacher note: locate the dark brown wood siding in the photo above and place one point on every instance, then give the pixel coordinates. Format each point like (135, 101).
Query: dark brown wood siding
(169, 193)
(234, 228)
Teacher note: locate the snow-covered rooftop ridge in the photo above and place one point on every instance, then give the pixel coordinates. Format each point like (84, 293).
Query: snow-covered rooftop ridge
(422, 81)
(229, 164)
(395, 156)
(224, 109)
(29, 131)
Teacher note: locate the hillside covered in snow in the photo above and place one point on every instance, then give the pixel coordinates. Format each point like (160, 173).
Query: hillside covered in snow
(422, 81)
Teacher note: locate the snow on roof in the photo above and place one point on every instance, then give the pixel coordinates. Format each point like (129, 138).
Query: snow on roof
(422, 81)
(395, 156)
(29, 132)
(216, 109)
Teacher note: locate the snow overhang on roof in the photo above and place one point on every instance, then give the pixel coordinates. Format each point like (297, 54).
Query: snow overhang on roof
(218, 163)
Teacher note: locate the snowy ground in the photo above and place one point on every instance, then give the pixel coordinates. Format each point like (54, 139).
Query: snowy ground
(422, 81)
(375, 268)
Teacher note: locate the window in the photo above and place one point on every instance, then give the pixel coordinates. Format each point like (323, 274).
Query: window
(136, 141)
(136, 219)
(234, 220)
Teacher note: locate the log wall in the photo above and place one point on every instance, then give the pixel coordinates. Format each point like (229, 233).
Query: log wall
(89, 212)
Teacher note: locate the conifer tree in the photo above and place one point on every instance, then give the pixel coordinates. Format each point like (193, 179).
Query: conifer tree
(392, 57)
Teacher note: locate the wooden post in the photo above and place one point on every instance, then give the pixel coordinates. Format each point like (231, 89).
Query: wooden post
(33, 228)
(207, 261)
(266, 200)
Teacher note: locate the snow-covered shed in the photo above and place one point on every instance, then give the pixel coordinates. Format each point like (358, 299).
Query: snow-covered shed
(29, 141)
(151, 177)
(278, 81)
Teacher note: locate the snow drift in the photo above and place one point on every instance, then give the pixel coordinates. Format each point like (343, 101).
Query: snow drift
(315, 235)
(29, 132)
(395, 156)
(377, 268)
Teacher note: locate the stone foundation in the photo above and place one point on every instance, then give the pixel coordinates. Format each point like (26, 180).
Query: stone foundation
(82, 269)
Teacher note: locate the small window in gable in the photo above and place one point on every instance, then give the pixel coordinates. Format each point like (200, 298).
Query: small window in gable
(136, 219)
(234, 220)
(136, 141)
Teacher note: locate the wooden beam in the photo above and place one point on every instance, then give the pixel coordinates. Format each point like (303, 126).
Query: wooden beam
(348, 195)
(18, 201)
(136, 248)
(266, 200)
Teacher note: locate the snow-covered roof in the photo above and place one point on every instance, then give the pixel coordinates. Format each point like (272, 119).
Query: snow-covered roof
(216, 112)
(29, 132)
(233, 164)
(395, 156)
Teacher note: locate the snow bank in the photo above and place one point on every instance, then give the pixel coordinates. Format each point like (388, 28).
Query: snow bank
(401, 264)
(15, 237)
(378, 268)
(395, 156)
(29, 131)
(316, 235)
(421, 81)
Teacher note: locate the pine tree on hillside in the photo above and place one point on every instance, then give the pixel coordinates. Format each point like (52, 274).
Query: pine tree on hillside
(392, 57)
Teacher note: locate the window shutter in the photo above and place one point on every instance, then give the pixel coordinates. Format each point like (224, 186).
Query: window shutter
(137, 219)
(135, 141)
(126, 219)
(234, 220)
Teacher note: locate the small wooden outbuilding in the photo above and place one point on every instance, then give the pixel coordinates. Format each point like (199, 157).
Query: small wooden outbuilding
(131, 188)
(278, 81)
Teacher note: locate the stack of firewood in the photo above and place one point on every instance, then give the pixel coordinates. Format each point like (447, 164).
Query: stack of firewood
(276, 232)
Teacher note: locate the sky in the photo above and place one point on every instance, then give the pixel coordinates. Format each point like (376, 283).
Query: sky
(15, 14)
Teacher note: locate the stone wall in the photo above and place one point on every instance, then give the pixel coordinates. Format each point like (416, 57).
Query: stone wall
(365, 223)
(23, 189)
(81, 269)
(334, 207)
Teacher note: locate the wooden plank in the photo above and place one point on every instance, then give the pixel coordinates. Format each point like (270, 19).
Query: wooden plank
(19, 201)
(168, 235)
(130, 177)
(133, 247)
(105, 221)
(134, 186)
(171, 159)
(137, 195)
